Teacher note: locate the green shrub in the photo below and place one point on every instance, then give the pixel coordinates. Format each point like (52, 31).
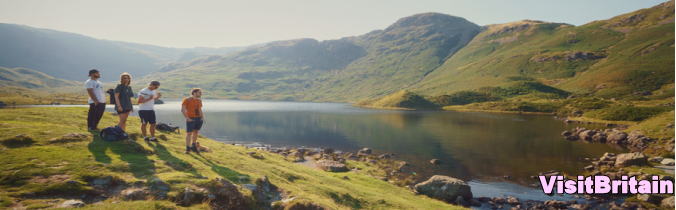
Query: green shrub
(627, 112)
(462, 98)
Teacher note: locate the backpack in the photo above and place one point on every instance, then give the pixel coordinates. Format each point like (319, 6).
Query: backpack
(167, 128)
(113, 134)
(111, 92)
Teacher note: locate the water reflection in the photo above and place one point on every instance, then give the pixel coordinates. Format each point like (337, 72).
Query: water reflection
(470, 145)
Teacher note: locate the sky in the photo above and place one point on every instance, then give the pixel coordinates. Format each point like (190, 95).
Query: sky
(227, 23)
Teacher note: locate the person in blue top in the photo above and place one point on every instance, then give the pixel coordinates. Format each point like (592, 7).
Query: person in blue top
(123, 95)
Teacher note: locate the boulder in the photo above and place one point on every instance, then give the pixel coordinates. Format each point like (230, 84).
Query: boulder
(668, 202)
(667, 162)
(616, 137)
(365, 151)
(566, 133)
(587, 135)
(71, 204)
(655, 159)
(444, 188)
(630, 159)
(190, 196)
(265, 192)
(224, 195)
(331, 166)
(296, 156)
(133, 194)
(599, 137)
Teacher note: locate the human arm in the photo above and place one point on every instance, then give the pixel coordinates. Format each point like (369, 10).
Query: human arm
(184, 110)
(118, 106)
(90, 92)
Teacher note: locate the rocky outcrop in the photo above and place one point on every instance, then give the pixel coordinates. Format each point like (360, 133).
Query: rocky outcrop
(331, 166)
(192, 195)
(630, 159)
(444, 188)
(133, 194)
(225, 195)
(635, 140)
(265, 192)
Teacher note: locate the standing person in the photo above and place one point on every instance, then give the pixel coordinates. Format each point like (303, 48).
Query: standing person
(192, 111)
(123, 94)
(97, 103)
(146, 103)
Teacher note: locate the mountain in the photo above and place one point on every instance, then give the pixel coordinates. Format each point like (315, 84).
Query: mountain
(32, 79)
(370, 65)
(70, 56)
(618, 57)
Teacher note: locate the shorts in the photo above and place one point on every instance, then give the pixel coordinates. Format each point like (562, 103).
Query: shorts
(194, 125)
(147, 116)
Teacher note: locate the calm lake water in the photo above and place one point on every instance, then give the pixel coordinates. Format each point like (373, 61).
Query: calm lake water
(479, 147)
(470, 145)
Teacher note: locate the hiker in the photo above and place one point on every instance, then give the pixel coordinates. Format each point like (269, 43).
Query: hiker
(123, 94)
(192, 111)
(146, 103)
(97, 103)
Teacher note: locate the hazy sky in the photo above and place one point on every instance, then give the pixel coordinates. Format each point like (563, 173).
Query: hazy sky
(213, 23)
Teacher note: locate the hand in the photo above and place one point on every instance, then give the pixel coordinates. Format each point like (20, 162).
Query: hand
(119, 109)
(158, 95)
(188, 119)
(96, 103)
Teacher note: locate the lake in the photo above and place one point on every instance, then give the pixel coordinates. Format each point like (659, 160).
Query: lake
(479, 147)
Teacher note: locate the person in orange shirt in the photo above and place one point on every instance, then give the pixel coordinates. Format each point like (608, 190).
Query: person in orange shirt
(192, 111)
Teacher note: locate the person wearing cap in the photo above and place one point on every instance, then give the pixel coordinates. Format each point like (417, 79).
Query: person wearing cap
(146, 103)
(97, 103)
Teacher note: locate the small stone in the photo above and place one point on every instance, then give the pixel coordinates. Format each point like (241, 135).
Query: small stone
(71, 204)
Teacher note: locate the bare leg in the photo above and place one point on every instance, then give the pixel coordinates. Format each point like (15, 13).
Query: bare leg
(123, 121)
(188, 138)
(194, 136)
(143, 129)
(152, 130)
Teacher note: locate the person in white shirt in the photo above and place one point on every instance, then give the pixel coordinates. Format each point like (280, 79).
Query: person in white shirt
(97, 103)
(146, 103)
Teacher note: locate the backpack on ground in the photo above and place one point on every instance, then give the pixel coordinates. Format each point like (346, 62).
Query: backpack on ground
(113, 133)
(167, 128)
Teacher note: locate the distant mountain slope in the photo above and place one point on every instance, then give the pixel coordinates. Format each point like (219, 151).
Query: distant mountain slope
(611, 58)
(369, 65)
(70, 56)
(31, 79)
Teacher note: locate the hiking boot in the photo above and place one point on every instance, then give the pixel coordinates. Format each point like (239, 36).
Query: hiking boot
(153, 139)
(187, 150)
(194, 148)
(146, 138)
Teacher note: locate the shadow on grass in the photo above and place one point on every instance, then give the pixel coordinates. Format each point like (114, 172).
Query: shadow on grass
(172, 161)
(131, 152)
(224, 172)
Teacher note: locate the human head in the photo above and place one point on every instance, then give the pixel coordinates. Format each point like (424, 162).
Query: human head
(94, 74)
(125, 78)
(154, 85)
(196, 92)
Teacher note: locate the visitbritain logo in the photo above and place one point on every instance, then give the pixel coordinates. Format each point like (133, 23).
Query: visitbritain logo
(605, 185)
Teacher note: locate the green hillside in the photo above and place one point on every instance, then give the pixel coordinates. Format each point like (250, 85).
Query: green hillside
(348, 69)
(29, 78)
(610, 58)
(44, 166)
